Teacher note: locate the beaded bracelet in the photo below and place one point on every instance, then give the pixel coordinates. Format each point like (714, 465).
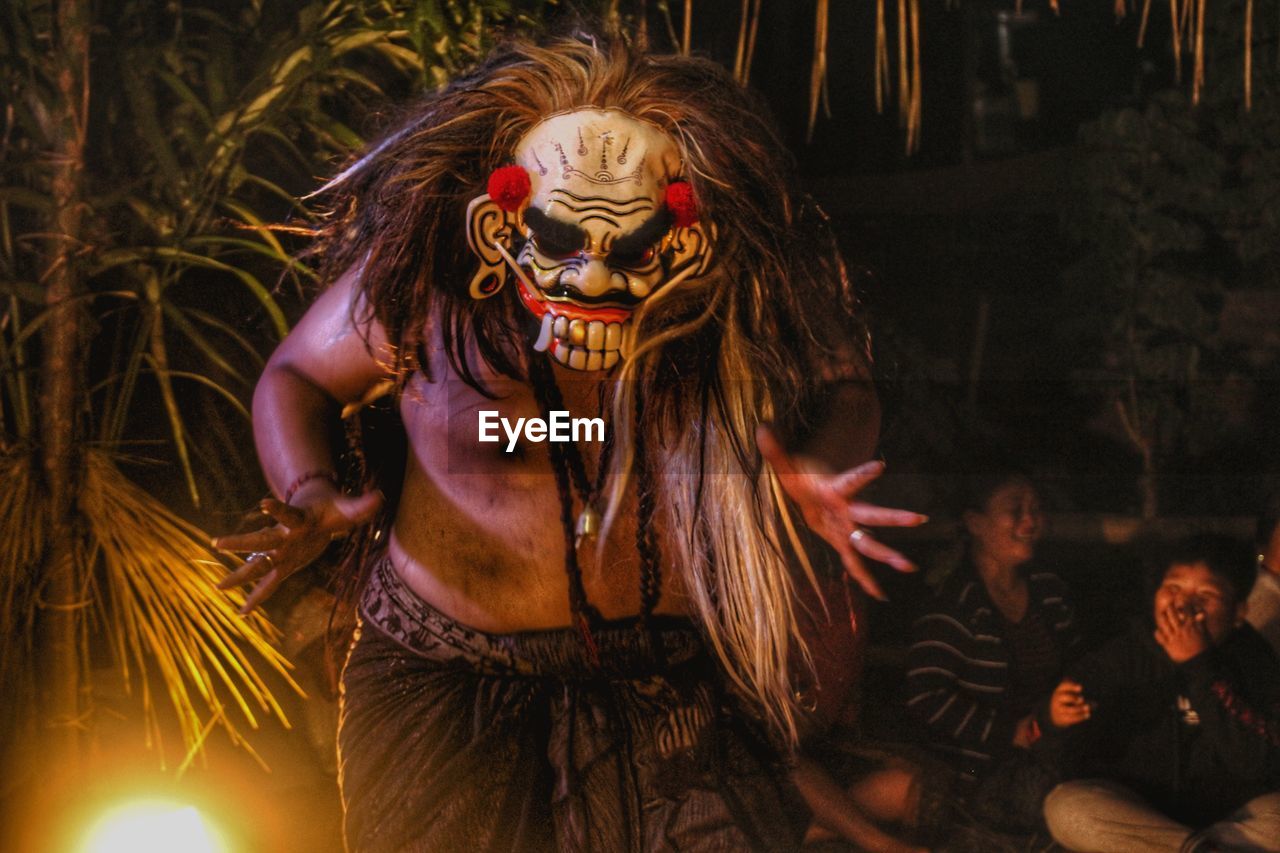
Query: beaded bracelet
(302, 480)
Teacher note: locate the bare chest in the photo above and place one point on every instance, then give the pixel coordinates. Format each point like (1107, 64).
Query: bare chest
(484, 523)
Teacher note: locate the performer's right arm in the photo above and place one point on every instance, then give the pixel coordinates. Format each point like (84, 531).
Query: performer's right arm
(326, 362)
(329, 359)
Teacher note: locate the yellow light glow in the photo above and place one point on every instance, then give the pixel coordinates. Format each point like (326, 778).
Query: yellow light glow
(152, 826)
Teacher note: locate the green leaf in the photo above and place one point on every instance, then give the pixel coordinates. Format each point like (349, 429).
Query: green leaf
(27, 291)
(144, 114)
(241, 120)
(225, 328)
(119, 257)
(26, 198)
(187, 96)
(402, 57)
(194, 335)
(259, 227)
(289, 65)
(221, 390)
(355, 41)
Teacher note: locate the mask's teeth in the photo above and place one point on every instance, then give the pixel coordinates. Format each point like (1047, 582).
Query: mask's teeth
(594, 360)
(544, 335)
(578, 333)
(561, 353)
(561, 327)
(595, 335)
(577, 358)
(612, 336)
(610, 359)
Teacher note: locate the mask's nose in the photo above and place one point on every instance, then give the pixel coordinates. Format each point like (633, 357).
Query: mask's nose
(593, 277)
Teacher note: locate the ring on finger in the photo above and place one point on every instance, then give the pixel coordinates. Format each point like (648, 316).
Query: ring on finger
(857, 535)
(260, 555)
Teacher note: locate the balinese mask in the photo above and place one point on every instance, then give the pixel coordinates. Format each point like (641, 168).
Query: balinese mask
(591, 219)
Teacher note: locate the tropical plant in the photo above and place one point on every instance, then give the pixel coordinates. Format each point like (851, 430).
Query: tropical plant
(1175, 206)
(145, 148)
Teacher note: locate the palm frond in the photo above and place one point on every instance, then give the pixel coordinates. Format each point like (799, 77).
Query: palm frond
(22, 543)
(161, 613)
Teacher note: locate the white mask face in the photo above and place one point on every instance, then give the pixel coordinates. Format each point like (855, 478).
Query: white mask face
(594, 237)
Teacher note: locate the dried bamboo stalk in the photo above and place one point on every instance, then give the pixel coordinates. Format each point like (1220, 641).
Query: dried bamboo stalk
(1177, 40)
(740, 55)
(882, 59)
(686, 39)
(751, 42)
(1197, 82)
(1142, 27)
(1248, 54)
(904, 82)
(818, 70)
(913, 120)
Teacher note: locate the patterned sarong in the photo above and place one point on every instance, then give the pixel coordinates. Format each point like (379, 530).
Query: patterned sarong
(454, 739)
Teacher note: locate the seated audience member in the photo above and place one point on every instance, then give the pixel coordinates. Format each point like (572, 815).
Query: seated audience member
(1172, 731)
(1264, 602)
(989, 650)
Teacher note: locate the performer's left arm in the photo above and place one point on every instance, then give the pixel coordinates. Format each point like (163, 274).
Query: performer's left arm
(827, 499)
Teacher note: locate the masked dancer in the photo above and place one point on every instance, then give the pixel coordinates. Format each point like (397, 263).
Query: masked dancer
(585, 644)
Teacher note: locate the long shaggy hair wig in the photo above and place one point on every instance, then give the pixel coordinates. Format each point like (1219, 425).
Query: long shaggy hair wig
(715, 356)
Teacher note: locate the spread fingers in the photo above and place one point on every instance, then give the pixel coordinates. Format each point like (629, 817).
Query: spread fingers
(289, 516)
(255, 567)
(870, 547)
(855, 480)
(879, 516)
(858, 571)
(269, 584)
(258, 540)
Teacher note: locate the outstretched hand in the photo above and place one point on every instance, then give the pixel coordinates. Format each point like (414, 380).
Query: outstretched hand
(302, 531)
(827, 502)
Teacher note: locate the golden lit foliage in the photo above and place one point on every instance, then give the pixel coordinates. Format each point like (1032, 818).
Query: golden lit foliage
(150, 598)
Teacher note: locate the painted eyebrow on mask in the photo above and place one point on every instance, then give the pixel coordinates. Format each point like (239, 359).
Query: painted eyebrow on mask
(555, 231)
(635, 242)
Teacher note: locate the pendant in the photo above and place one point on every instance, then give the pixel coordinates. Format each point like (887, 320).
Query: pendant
(588, 524)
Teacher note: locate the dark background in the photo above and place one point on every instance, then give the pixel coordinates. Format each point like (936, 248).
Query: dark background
(994, 298)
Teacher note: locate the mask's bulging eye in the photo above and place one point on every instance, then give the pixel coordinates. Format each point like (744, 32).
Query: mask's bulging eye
(554, 249)
(634, 258)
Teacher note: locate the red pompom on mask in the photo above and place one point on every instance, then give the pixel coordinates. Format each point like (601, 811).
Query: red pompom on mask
(680, 201)
(509, 187)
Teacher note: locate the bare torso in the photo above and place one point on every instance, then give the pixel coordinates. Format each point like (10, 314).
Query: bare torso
(478, 530)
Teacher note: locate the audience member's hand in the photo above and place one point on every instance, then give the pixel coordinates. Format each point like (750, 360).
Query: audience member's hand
(1180, 634)
(1067, 706)
(1024, 733)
